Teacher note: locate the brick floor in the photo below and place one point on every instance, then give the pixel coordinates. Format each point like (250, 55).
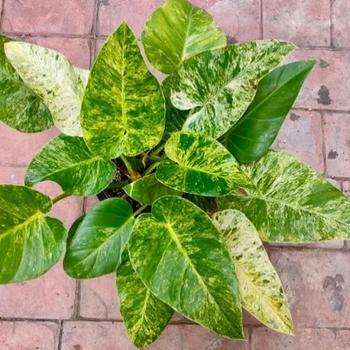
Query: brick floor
(58, 313)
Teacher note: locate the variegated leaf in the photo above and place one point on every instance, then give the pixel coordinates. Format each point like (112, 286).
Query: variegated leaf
(261, 289)
(67, 161)
(144, 315)
(123, 109)
(20, 107)
(217, 87)
(177, 31)
(97, 241)
(148, 189)
(50, 75)
(179, 255)
(30, 242)
(200, 166)
(290, 202)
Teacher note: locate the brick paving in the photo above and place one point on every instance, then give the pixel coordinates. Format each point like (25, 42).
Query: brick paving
(58, 313)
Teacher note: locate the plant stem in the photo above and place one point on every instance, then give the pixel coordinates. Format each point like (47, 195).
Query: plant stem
(155, 158)
(140, 210)
(60, 197)
(151, 168)
(134, 175)
(158, 149)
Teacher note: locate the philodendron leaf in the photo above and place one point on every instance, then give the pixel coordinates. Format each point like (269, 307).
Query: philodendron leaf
(20, 107)
(217, 87)
(30, 242)
(256, 131)
(290, 202)
(50, 75)
(144, 315)
(179, 255)
(148, 189)
(261, 289)
(123, 109)
(95, 247)
(67, 161)
(200, 166)
(177, 31)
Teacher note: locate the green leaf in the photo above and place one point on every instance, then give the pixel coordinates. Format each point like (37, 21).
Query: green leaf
(123, 109)
(67, 161)
(290, 202)
(96, 245)
(253, 135)
(20, 107)
(204, 166)
(50, 75)
(177, 31)
(147, 190)
(30, 242)
(217, 87)
(179, 255)
(261, 289)
(144, 316)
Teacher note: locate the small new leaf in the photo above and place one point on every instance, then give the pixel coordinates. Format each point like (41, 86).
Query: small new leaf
(261, 289)
(67, 161)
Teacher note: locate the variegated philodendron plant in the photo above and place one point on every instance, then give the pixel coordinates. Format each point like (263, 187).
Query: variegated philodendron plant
(193, 188)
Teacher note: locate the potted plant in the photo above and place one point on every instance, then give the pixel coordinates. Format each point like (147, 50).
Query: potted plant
(191, 187)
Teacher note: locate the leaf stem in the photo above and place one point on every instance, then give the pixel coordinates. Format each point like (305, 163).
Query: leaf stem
(60, 197)
(140, 210)
(134, 175)
(151, 168)
(158, 150)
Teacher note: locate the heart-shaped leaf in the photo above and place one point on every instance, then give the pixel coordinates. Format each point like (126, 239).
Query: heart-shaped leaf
(50, 75)
(67, 161)
(179, 255)
(148, 189)
(20, 107)
(261, 289)
(290, 202)
(123, 109)
(203, 166)
(144, 315)
(96, 244)
(30, 242)
(177, 31)
(217, 87)
(256, 131)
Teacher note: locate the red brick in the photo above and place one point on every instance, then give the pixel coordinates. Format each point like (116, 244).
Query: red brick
(46, 16)
(99, 298)
(305, 339)
(302, 22)
(111, 336)
(49, 297)
(19, 148)
(28, 335)
(76, 50)
(325, 88)
(337, 142)
(317, 285)
(340, 17)
(346, 188)
(301, 135)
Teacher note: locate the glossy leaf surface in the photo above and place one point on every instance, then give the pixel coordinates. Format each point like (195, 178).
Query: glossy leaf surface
(179, 255)
(49, 74)
(256, 131)
(148, 189)
(144, 316)
(290, 202)
(218, 86)
(177, 31)
(123, 109)
(30, 242)
(67, 161)
(261, 289)
(200, 166)
(95, 247)
(20, 107)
